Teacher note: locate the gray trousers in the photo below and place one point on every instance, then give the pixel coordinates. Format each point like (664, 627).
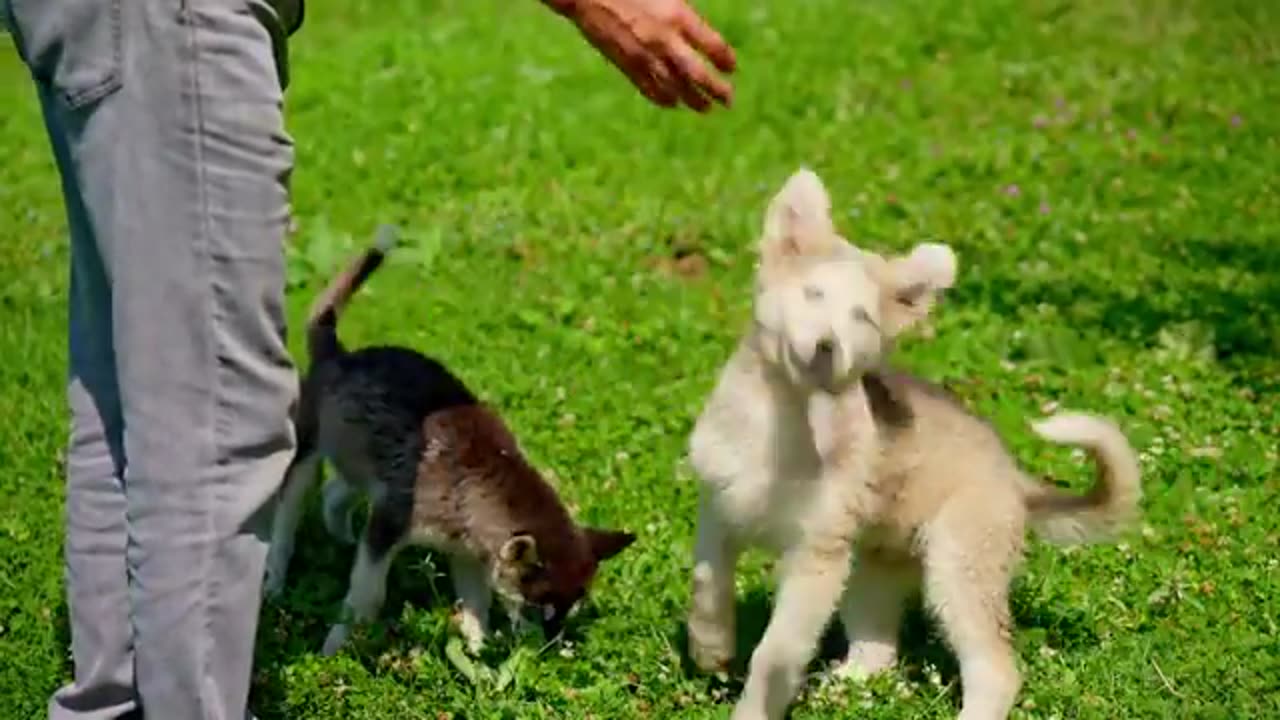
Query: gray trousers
(165, 119)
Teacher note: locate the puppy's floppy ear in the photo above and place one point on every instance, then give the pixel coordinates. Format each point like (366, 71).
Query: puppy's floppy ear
(520, 550)
(797, 222)
(607, 543)
(913, 283)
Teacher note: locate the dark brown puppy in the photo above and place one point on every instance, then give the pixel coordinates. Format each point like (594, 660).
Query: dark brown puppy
(440, 469)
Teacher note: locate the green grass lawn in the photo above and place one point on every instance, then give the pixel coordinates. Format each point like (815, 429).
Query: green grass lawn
(1108, 178)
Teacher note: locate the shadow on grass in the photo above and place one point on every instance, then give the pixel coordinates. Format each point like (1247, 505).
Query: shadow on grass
(62, 634)
(920, 641)
(295, 625)
(1191, 290)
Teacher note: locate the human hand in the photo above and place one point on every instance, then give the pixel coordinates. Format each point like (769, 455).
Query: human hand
(659, 45)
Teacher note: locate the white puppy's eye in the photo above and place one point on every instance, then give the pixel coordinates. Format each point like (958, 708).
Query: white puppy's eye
(812, 293)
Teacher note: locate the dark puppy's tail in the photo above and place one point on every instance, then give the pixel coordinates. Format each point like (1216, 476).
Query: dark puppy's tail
(322, 322)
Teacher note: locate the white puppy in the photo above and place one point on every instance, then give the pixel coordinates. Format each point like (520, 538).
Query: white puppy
(811, 448)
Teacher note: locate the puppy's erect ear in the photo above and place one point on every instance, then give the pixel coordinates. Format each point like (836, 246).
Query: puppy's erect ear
(912, 284)
(797, 222)
(520, 550)
(607, 543)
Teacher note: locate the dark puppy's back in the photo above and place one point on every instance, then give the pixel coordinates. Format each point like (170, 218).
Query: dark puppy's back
(405, 379)
(486, 466)
(365, 410)
(472, 450)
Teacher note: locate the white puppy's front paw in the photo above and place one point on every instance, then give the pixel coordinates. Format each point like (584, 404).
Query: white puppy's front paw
(711, 645)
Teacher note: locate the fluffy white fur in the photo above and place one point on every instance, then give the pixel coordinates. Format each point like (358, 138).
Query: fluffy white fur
(795, 457)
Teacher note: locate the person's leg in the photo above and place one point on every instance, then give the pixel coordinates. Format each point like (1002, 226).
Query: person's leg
(94, 548)
(70, 79)
(200, 166)
(174, 121)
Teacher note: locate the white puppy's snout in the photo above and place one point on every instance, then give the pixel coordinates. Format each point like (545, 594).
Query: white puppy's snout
(823, 361)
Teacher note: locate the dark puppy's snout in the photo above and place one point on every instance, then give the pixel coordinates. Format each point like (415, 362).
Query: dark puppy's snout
(553, 621)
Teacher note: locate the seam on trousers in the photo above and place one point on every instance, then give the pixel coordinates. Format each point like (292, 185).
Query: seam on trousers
(115, 80)
(202, 249)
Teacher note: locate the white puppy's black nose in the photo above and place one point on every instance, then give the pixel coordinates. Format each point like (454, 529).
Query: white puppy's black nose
(824, 360)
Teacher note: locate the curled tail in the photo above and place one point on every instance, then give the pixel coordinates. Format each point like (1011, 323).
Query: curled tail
(322, 321)
(1065, 518)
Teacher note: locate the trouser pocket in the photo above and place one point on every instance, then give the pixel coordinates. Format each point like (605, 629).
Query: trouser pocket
(75, 47)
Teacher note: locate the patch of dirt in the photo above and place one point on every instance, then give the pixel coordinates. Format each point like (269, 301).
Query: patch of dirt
(684, 261)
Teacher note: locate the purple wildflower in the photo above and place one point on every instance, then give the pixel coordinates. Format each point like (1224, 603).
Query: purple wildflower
(1012, 190)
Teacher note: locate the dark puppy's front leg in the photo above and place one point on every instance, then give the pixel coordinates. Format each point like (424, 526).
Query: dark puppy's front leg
(385, 534)
(474, 598)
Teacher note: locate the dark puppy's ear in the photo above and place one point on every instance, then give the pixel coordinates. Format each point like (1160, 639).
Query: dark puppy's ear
(607, 543)
(520, 550)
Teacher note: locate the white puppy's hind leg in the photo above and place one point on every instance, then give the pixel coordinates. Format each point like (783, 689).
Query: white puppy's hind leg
(711, 623)
(967, 573)
(871, 613)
